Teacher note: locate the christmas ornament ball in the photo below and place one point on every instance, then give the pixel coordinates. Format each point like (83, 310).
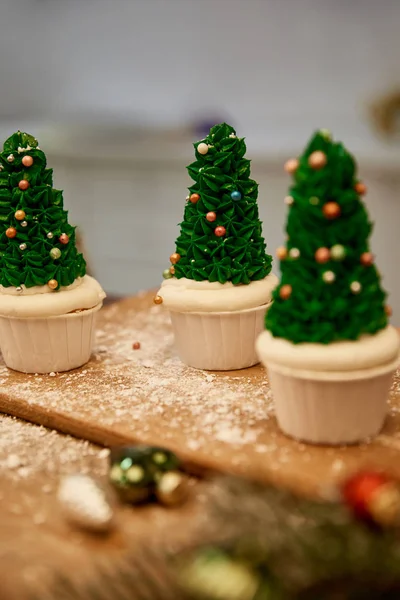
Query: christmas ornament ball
(285, 292)
(172, 488)
(50, 235)
(55, 253)
(220, 231)
(291, 165)
(64, 238)
(322, 255)
(211, 216)
(27, 161)
(360, 188)
(24, 223)
(388, 310)
(158, 299)
(331, 210)
(281, 253)
(167, 274)
(329, 276)
(10, 158)
(174, 258)
(317, 160)
(11, 232)
(288, 200)
(136, 346)
(53, 284)
(367, 259)
(355, 287)
(20, 215)
(202, 148)
(294, 253)
(194, 198)
(23, 184)
(373, 496)
(338, 252)
(172, 270)
(236, 195)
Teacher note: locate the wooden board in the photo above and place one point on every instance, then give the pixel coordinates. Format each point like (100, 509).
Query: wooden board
(217, 421)
(37, 544)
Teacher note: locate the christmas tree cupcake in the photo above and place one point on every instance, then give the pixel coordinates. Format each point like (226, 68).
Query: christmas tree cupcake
(328, 347)
(47, 303)
(220, 282)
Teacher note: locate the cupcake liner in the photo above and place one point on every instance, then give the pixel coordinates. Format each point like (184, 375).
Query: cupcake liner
(331, 407)
(220, 341)
(46, 345)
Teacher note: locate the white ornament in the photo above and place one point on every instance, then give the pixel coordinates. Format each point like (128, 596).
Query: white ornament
(232, 135)
(187, 198)
(202, 148)
(24, 223)
(22, 246)
(1, 168)
(135, 474)
(294, 253)
(289, 200)
(329, 276)
(355, 287)
(50, 235)
(19, 289)
(84, 503)
(10, 158)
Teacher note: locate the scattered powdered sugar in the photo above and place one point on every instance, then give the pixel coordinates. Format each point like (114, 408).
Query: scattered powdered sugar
(27, 450)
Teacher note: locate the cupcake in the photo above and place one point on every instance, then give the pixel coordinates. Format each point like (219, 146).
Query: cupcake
(328, 347)
(48, 304)
(219, 284)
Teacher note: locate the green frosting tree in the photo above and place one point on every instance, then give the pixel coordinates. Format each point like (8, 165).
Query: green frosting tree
(221, 238)
(330, 289)
(37, 244)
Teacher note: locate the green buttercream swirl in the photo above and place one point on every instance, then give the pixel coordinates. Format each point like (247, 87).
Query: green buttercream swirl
(43, 206)
(317, 311)
(239, 256)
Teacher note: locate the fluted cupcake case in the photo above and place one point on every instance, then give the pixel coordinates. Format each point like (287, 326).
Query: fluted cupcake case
(48, 305)
(329, 350)
(221, 248)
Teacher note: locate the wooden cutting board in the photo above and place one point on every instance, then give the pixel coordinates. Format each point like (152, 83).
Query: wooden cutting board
(218, 421)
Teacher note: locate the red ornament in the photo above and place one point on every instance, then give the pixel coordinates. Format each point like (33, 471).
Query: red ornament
(64, 238)
(367, 259)
(194, 198)
(322, 255)
(136, 346)
(220, 231)
(172, 270)
(20, 215)
(11, 232)
(174, 258)
(291, 165)
(27, 161)
(158, 299)
(211, 216)
(331, 210)
(360, 188)
(285, 292)
(281, 253)
(317, 160)
(23, 184)
(388, 310)
(373, 496)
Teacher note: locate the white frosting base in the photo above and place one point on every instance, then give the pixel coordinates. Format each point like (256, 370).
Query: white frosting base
(40, 301)
(369, 351)
(187, 295)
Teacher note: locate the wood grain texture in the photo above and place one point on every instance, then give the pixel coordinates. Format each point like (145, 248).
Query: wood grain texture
(118, 399)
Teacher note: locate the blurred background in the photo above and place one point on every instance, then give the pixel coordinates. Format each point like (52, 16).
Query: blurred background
(117, 90)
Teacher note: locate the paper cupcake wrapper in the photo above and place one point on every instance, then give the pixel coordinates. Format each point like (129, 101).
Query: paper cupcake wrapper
(221, 341)
(331, 408)
(46, 345)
